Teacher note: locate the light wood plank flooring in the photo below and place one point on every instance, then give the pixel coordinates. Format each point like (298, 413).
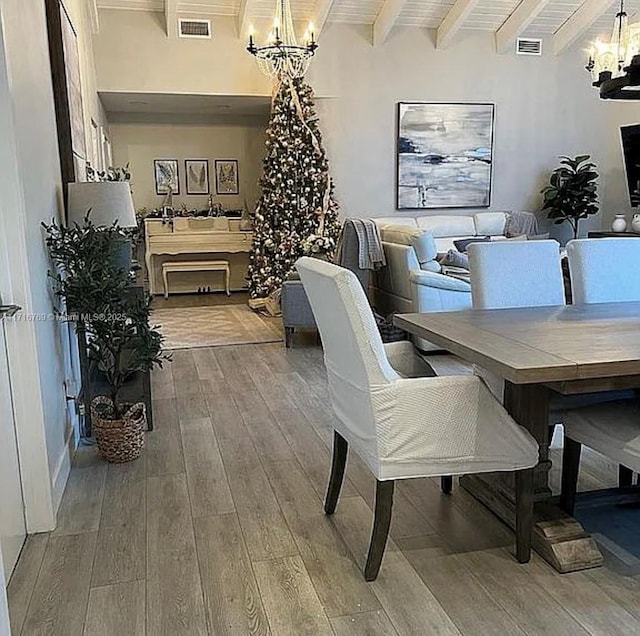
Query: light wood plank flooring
(219, 529)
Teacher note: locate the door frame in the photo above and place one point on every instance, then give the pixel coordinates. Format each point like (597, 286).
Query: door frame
(24, 363)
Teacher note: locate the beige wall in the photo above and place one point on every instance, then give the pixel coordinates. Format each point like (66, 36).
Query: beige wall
(545, 106)
(139, 144)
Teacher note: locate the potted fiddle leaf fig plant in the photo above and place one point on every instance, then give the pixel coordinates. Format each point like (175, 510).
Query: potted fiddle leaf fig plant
(572, 193)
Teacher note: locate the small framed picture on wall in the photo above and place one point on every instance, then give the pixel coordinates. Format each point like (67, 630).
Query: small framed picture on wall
(197, 175)
(227, 176)
(167, 176)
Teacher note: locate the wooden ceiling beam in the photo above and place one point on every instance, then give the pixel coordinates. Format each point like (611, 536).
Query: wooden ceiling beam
(94, 18)
(171, 18)
(386, 19)
(525, 13)
(245, 16)
(577, 25)
(320, 15)
(453, 22)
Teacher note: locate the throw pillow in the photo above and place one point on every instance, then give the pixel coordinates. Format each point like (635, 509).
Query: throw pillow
(538, 237)
(462, 244)
(456, 259)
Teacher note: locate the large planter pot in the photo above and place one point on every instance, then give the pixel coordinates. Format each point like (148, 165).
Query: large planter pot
(119, 440)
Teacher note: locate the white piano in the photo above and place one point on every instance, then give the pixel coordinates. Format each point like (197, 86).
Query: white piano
(196, 238)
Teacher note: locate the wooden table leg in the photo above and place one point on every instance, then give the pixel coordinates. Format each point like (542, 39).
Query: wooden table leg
(558, 538)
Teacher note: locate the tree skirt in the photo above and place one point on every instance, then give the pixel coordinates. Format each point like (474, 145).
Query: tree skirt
(191, 327)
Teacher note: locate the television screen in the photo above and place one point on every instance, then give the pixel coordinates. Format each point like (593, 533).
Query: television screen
(631, 151)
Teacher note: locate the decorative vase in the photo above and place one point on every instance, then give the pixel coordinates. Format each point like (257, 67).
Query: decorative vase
(619, 223)
(246, 223)
(635, 223)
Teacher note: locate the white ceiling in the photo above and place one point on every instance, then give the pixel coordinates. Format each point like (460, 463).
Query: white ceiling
(486, 14)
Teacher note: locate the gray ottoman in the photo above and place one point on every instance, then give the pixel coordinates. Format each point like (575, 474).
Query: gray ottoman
(296, 311)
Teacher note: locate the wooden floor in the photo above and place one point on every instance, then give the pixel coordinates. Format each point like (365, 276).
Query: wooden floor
(219, 529)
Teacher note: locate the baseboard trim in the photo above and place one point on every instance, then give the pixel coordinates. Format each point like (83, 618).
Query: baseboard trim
(63, 469)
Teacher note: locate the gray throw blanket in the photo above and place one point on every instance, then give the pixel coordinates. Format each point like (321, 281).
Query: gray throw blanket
(519, 223)
(370, 252)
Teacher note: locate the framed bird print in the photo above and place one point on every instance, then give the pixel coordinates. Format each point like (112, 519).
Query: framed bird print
(197, 171)
(167, 176)
(227, 176)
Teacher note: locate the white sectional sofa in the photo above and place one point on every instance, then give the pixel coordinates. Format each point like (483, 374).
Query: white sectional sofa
(412, 280)
(449, 228)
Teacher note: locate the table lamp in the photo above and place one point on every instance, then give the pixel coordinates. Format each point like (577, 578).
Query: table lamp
(108, 201)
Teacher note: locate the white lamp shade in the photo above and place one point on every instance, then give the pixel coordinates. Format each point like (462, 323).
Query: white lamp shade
(108, 201)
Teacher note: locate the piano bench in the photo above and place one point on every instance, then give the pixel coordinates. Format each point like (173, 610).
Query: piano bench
(195, 266)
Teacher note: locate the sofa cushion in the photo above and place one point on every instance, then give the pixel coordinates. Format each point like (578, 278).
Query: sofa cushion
(400, 234)
(490, 223)
(453, 258)
(405, 221)
(444, 226)
(462, 244)
(421, 241)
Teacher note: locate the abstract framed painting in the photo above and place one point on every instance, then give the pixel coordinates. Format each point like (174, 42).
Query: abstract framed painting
(227, 176)
(167, 176)
(444, 155)
(197, 176)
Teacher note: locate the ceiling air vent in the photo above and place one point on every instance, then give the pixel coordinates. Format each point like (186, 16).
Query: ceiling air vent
(529, 46)
(195, 28)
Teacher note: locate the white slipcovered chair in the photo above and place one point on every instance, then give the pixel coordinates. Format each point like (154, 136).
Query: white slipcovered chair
(603, 271)
(511, 274)
(406, 428)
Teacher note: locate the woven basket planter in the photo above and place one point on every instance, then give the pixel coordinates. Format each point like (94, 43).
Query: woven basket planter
(118, 440)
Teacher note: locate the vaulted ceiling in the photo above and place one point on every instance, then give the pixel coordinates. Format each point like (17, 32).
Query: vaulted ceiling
(567, 20)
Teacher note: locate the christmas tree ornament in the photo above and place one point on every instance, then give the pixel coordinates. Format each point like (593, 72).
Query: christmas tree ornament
(297, 191)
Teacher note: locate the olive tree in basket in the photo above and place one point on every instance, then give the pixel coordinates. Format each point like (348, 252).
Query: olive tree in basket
(118, 337)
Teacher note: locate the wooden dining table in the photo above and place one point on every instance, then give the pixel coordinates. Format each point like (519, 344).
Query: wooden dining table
(541, 352)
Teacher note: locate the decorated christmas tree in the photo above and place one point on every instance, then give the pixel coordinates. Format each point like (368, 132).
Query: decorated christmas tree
(297, 206)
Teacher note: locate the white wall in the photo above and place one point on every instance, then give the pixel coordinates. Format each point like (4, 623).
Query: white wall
(139, 144)
(79, 13)
(30, 193)
(545, 106)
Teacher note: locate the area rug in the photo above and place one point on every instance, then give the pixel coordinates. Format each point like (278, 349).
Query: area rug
(192, 327)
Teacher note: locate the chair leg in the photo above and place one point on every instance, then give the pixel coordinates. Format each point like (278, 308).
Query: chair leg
(524, 514)
(338, 463)
(446, 484)
(625, 477)
(288, 337)
(380, 532)
(570, 467)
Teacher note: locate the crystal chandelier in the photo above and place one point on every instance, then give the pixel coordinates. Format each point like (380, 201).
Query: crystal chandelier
(282, 55)
(615, 65)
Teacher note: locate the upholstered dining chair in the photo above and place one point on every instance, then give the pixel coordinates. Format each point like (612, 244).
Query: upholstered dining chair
(404, 428)
(603, 271)
(612, 429)
(511, 274)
